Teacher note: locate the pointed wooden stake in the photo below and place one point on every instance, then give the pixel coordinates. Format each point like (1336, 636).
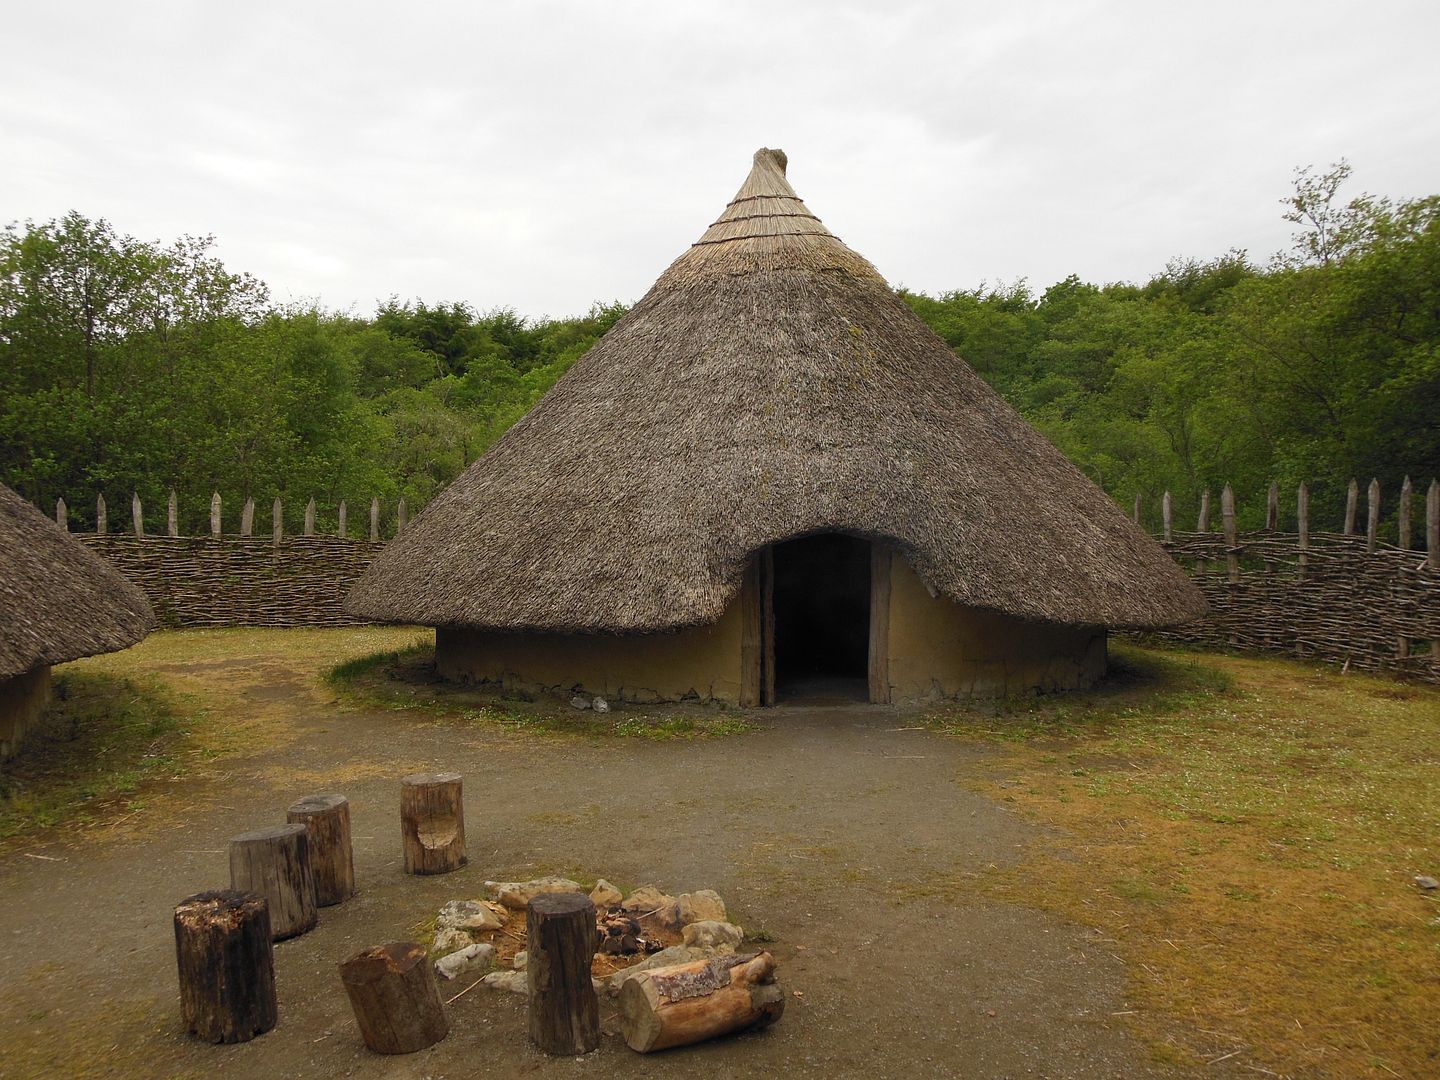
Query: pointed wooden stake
(1352, 501)
(1203, 524)
(1227, 520)
(1302, 518)
(343, 530)
(1407, 499)
(247, 518)
(137, 516)
(215, 515)
(101, 526)
(401, 518)
(1372, 515)
(1272, 507)
(1167, 515)
(310, 517)
(172, 516)
(62, 514)
(277, 522)
(374, 521)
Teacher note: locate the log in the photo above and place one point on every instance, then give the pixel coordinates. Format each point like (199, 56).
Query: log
(392, 991)
(432, 823)
(327, 834)
(227, 966)
(560, 940)
(688, 1003)
(275, 863)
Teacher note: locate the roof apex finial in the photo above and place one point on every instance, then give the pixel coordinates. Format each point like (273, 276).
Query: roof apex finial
(777, 158)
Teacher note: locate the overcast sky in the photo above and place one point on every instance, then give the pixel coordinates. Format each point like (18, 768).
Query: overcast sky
(545, 155)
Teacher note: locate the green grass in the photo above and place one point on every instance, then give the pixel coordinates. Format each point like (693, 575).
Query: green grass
(406, 680)
(97, 744)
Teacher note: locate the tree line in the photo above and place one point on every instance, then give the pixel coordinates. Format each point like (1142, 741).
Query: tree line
(144, 366)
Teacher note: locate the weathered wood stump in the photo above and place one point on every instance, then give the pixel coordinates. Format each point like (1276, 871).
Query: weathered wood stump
(392, 990)
(560, 942)
(432, 823)
(327, 832)
(227, 966)
(275, 863)
(688, 1003)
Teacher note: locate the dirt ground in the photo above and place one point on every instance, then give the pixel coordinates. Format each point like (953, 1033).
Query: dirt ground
(821, 828)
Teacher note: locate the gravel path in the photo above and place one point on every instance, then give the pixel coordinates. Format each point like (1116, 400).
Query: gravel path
(846, 836)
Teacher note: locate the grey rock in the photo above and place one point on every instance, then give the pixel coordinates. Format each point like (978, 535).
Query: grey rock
(712, 934)
(579, 702)
(1426, 882)
(600, 705)
(514, 981)
(521, 959)
(469, 915)
(471, 960)
(449, 939)
(646, 898)
(702, 906)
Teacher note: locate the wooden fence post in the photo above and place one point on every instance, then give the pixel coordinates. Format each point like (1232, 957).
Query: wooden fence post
(1167, 516)
(1352, 500)
(1372, 516)
(277, 522)
(1203, 524)
(137, 515)
(374, 521)
(1302, 525)
(343, 530)
(247, 518)
(215, 515)
(1227, 521)
(172, 515)
(100, 525)
(1407, 498)
(310, 517)
(1272, 507)
(401, 518)
(62, 514)
(1432, 546)
(1137, 508)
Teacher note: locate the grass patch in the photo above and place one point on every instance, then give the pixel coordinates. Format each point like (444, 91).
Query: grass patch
(406, 679)
(1246, 833)
(93, 750)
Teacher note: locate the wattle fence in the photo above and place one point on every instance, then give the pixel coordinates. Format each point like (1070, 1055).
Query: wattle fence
(1348, 596)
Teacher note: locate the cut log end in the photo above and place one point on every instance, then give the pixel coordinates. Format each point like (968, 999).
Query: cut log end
(689, 1003)
(393, 994)
(432, 822)
(226, 966)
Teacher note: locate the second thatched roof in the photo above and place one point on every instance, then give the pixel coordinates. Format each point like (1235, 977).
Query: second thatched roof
(59, 600)
(770, 384)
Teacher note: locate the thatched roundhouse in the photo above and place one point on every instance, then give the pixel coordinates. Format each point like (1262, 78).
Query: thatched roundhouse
(771, 472)
(58, 601)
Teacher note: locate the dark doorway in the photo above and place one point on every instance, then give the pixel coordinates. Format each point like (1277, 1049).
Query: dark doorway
(822, 618)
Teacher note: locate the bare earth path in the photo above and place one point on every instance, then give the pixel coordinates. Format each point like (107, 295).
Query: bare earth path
(826, 828)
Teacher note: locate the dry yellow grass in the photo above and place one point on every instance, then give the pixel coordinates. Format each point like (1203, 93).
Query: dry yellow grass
(1246, 833)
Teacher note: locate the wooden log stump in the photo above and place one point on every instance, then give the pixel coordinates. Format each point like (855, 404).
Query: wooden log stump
(227, 966)
(432, 823)
(392, 990)
(327, 834)
(560, 943)
(275, 863)
(688, 1003)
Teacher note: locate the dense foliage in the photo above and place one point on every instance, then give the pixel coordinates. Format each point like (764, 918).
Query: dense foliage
(132, 366)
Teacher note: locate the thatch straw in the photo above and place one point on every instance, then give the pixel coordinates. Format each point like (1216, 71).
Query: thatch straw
(58, 600)
(769, 385)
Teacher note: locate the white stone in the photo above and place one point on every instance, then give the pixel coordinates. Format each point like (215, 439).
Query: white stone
(448, 939)
(469, 915)
(471, 960)
(711, 934)
(702, 906)
(605, 895)
(580, 702)
(521, 959)
(516, 894)
(514, 981)
(600, 705)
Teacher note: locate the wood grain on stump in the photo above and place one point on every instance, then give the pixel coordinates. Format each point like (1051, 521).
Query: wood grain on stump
(560, 940)
(275, 863)
(392, 990)
(227, 966)
(327, 831)
(432, 823)
(688, 1003)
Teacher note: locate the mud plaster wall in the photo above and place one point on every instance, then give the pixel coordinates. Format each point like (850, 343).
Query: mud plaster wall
(22, 699)
(940, 649)
(702, 661)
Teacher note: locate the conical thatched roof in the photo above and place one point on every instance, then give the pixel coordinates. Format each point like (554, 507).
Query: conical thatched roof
(58, 600)
(770, 384)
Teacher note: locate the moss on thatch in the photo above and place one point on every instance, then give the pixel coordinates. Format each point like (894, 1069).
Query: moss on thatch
(58, 600)
(770, 385)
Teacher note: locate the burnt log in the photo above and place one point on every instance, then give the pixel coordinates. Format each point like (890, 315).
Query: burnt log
(392, 991)
(226, 964)
(688, 1003)
(432, 822)
(275, 863)
(564, 1011)
(327, 832)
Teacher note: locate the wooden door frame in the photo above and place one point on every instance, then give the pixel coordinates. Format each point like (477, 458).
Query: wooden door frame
(880, 557)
